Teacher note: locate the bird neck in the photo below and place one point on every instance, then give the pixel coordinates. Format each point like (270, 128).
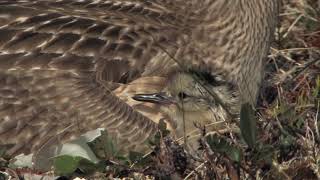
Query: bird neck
(234, 37)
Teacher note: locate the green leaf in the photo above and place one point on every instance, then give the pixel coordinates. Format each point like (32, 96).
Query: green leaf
(135, 156)
(264, 154)
(248, 124)
(221, 145)
(162, 132)
(87, 166)
(287, 141)
(104, 146)
(65, 164)
(110, 145)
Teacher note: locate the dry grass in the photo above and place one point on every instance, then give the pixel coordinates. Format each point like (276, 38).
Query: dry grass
(288, 135)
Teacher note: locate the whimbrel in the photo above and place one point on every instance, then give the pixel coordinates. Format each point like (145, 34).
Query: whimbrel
(70, 66)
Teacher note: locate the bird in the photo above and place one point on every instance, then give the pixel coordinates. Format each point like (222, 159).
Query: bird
(71, 66)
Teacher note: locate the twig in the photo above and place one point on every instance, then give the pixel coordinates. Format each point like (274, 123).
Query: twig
(195, 170)
(292, 25)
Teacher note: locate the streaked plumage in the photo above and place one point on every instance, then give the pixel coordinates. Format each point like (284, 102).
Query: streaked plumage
(67, 66)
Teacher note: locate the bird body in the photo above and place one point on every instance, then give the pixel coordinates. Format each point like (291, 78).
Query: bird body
(70, 66)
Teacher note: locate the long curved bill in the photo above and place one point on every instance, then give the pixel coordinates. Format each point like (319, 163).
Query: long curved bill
(157, 98)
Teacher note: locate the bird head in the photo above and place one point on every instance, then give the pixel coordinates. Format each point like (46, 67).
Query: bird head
(191, 98)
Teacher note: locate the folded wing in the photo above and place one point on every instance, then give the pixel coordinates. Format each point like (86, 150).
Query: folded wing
(63, 64)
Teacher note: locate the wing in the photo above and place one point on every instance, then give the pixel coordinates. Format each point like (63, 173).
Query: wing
(65, 64)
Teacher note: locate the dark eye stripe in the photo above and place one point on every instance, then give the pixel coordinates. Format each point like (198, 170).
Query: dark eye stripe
(213, 80)
(182, 95)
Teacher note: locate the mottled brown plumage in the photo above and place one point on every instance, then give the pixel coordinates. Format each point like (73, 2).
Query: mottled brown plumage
(70, 66)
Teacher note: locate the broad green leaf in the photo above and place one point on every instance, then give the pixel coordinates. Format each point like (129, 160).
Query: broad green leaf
(87, 166)
(105, 147)
(248, 124)
(220, 145)
(65, 164)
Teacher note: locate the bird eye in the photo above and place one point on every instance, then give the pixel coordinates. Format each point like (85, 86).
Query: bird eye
(182, 95)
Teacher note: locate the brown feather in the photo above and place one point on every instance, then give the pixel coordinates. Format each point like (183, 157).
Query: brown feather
(67, 66)
(61, 64)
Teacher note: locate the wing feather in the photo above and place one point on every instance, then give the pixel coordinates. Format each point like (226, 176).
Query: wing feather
(62, 64)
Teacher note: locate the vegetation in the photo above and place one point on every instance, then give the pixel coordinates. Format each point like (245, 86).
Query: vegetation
(280, 139)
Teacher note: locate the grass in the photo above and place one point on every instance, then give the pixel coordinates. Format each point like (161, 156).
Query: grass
(288, 138)
(290, 107)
